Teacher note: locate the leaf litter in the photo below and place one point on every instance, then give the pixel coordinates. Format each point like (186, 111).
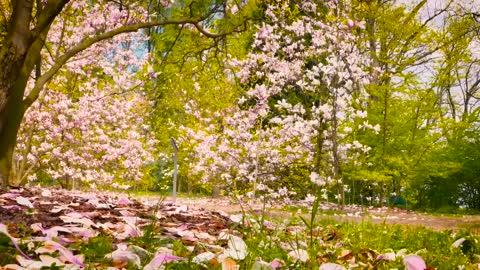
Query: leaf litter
(46, 226)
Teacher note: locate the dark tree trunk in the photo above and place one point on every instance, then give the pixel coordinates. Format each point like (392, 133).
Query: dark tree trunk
(19, 52)
(10, 119)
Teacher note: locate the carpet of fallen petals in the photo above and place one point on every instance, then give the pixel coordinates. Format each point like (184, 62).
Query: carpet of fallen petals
(54, 220)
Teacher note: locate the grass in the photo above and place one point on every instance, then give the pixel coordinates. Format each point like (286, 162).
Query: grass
(332, 242)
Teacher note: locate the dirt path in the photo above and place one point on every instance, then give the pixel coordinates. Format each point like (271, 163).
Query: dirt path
(357, 214)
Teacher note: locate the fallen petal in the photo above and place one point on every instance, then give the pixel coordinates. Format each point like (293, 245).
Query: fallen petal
(458, 243)
(3, 229)
(237, 249)
(414, 262)
(299, 255)
(51, 246)
(124, 256)
(24, 201)
(46, 193)
(331, 266)
(123, 201)
(203, 257)
(277, 263)
(161, 259)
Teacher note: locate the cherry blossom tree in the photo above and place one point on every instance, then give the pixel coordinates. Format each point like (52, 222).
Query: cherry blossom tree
(39, 38)
(303, 105)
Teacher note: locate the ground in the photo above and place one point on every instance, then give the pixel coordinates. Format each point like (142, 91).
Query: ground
(45, 220)
(348, 213)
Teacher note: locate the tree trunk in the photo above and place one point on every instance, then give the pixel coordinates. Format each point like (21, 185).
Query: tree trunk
(17, 63)
(10, 120)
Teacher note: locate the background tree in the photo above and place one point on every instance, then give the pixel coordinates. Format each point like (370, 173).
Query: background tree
(304, 80)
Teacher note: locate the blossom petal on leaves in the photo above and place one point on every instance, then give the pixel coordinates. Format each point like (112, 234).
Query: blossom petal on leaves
(161, 259)
(236, 218)
(414, 262)
(237, 249)
(71, 219)
(9, 195)
(277, 263)
(203, 257)
(387, 256)
(51, 246)
(28, 263)
(3, 229)
(24, 201)
(12, 267)
(299, 255)
(46, 193)
(458, 243)
(124, 256)
(49, 260)
(331, 266)
(123, 201)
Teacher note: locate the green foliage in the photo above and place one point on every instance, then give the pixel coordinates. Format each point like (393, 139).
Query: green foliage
(96, 248)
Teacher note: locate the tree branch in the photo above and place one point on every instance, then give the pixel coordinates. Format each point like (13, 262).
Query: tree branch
(89, 41)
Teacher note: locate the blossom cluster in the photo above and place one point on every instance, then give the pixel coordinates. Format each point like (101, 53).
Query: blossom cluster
(89, 125)
(304, 100)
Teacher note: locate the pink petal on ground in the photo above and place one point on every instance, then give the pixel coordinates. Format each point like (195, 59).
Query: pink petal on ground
(123, 201)
(161, 259)
(360, 24)
(277, 263)
(129, 230)
(124, 256)
(46, 193)
(24, 201)
(350, 23)
(3, 229)
(49, 233)
(51, 246)
(414, 262)
(126, 213)
(14, 207)
(9, 195)
(331, 266)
